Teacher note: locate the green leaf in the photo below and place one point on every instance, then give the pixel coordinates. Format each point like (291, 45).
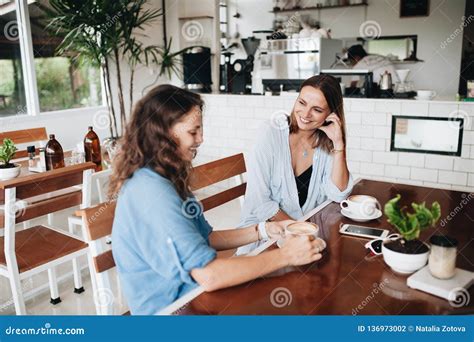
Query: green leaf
(411, 224)
(7, 150)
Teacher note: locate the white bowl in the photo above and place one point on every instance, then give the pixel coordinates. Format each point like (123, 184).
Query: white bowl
(10, 173)
(402, 262)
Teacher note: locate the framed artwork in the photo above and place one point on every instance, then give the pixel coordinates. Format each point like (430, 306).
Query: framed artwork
(414, 8)
(422, 135)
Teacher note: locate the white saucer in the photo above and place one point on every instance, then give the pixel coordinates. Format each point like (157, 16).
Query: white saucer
(353, 217)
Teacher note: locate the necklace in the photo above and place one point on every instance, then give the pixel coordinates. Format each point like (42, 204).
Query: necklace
(305, 153)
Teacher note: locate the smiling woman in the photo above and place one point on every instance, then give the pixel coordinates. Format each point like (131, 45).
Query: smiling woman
(162, 244)
(296, 167)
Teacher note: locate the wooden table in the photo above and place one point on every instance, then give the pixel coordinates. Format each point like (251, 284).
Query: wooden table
(347, 281)
(39, 202)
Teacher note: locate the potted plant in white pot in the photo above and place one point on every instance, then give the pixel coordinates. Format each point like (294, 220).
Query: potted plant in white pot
(7, 151)
(408, 254)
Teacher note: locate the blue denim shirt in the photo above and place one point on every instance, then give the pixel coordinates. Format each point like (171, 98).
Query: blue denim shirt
(157, 240)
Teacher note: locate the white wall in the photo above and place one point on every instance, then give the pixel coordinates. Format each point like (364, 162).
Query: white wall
(69, 126)
(232, 122)
(441, 68)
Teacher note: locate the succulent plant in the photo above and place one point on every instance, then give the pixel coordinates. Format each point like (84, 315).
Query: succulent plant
(7, 151)
(411, 224)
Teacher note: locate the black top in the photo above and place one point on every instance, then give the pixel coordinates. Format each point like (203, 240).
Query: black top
(302, 184)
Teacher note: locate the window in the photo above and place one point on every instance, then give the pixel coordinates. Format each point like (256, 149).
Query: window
(62, 82)
(12, 91)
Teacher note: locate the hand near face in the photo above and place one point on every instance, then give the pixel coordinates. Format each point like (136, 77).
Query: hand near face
(334, 130)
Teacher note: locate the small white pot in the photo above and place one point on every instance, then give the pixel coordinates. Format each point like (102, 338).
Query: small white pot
(10, 173)
(402, 262)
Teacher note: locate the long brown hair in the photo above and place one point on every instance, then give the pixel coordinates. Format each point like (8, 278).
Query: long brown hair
(331, 90)
(148, 142)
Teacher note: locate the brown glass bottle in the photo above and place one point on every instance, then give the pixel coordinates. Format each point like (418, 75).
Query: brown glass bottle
(92, 149)
(54, 154)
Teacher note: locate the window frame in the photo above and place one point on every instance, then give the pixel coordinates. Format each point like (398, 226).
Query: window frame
(30, 84)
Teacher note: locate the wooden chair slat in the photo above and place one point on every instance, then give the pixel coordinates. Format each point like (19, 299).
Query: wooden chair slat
(216, 171)
(43, 207)
(98, 220)
(104, 261)
(23, 154)
(224, 197)
(25, 135)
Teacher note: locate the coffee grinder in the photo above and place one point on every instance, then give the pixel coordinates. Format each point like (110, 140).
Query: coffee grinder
(237, 76)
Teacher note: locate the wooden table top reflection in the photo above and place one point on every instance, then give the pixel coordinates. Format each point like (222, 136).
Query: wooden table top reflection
(348, 280)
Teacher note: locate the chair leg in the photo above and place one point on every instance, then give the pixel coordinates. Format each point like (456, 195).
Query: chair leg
(50, 219)
(17, 293)
(78, 288)
(53, 286)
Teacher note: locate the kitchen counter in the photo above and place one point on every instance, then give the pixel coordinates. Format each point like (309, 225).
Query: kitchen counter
(450, 99)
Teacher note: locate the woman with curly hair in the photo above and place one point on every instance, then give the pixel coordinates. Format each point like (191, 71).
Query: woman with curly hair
(161, 251)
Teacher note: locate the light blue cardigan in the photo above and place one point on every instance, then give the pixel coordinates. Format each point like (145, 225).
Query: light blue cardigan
(271, 182)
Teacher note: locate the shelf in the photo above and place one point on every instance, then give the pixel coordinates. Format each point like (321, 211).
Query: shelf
(197, 17)
(317, 8)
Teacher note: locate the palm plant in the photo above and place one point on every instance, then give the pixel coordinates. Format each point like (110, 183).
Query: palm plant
(105, 33)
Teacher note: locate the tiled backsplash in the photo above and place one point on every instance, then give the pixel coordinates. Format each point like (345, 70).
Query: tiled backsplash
(231, 124)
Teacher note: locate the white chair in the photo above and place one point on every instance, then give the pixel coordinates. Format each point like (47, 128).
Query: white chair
(101, 181)
(40, 248)
(97, 225)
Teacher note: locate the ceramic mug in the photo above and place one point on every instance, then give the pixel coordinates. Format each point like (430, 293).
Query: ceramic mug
(361, 205)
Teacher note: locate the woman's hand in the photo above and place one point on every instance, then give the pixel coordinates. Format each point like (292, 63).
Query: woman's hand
(276, 230)
(302, 250)
(334, 131)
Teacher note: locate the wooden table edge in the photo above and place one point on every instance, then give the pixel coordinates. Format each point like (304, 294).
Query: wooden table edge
(179, 303)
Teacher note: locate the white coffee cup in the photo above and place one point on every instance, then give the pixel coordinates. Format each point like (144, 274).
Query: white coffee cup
(425, 94)
(361, 205)
(302, 229)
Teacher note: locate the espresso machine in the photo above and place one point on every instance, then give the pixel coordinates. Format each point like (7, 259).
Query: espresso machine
(236, 77)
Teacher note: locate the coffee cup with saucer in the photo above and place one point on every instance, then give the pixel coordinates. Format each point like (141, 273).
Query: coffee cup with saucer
(361, 208)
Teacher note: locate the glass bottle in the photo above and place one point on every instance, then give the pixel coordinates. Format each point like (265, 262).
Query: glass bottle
(54, 154)
(92, 149)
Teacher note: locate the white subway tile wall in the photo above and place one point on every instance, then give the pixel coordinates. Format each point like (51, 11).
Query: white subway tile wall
(232, 124)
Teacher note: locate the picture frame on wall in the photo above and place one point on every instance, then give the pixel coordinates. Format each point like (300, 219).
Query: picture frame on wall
(414, 8)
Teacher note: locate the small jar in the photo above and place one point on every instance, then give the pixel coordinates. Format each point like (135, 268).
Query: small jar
(31, 155)
(442, 260)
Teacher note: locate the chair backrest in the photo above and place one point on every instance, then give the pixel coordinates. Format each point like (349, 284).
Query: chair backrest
(101, 179)
(97, 223)
(25, 136)
(56, 189)
(217, 171)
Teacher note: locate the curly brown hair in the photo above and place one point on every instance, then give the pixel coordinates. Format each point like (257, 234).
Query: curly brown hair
(331, 90)
(147, 141)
